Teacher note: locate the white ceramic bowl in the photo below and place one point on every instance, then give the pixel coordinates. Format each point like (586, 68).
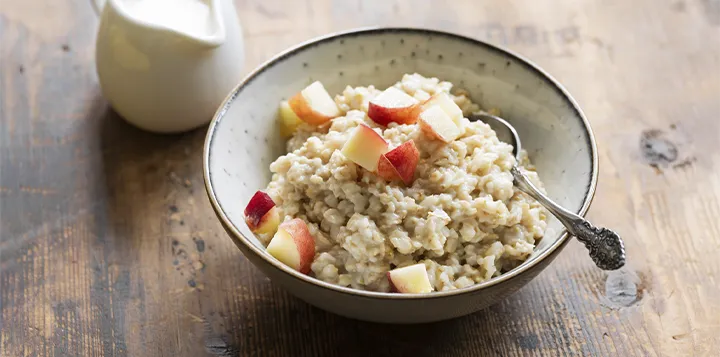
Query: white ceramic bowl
(243, 140)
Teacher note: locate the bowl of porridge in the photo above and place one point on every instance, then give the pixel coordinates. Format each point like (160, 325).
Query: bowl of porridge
(347, 171)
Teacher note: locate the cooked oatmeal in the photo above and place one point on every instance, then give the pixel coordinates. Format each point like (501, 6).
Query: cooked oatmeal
(460, 217)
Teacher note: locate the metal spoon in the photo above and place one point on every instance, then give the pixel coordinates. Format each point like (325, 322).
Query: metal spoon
(606, 247)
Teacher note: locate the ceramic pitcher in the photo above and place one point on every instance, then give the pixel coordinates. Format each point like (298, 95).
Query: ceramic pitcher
(166, 65)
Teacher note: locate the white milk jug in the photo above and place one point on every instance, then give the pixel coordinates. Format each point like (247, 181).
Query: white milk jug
(166, 65)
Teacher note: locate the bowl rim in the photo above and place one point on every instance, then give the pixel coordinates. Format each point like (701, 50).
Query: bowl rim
(305, 45)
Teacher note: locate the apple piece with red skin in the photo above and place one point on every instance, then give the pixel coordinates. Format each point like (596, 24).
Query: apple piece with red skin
(314, 105)
(293, 245)
(261, 214)
(448, 105)
(436, 124)
(399, 163)
(365, 147)
(386, 170)
(412, 279)
(393, 105)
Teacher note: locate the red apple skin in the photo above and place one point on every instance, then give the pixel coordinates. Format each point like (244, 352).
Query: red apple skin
(399, 163)
(257, 209)
(404, 159)
(384, 116)
(393, 105)
(386, 170)
(298, 230)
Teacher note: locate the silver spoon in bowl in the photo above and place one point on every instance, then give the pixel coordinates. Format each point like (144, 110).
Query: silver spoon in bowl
(606, 247)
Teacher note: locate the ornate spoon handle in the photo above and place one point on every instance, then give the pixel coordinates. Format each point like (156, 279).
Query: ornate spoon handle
(605, 246)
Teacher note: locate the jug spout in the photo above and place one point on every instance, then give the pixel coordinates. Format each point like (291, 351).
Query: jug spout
(198, 21)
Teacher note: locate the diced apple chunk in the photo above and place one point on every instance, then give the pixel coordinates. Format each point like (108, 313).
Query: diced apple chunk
(399, 163)
(436, 124)
(289, 121)
(386, 170)
(314, 105)
(365, 147)
(393, 105)
(411, 279)
(261, 214)
(448, 105)
(293, 245)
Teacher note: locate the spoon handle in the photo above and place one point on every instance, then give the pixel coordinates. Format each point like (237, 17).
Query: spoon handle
(606, 247)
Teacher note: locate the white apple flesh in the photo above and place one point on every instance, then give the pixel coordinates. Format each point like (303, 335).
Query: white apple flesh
(364, 147)
(314, 105)
(448, 105)
(293, 245)
(436, 124)
(411, 279)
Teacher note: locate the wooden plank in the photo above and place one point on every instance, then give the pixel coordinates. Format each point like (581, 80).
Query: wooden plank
(108, 246)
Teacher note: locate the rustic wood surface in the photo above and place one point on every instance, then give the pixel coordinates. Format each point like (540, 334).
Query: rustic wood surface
(109, 246)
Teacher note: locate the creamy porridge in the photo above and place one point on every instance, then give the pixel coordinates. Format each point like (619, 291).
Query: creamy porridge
(454, 210)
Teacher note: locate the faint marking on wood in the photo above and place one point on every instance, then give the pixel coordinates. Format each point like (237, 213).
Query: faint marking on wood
(189, 264)
(623, 288)
(199, 244)
(558, 42)
(269, 13)
(711, 10)
(679, 6)
(218, 347)
(685, 163)
(37, 190)
(602, 45)
(656, 149)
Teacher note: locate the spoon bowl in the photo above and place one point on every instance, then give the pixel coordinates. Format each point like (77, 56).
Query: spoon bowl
(504, 131)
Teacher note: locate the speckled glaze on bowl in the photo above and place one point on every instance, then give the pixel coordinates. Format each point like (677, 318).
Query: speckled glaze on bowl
(243, 139)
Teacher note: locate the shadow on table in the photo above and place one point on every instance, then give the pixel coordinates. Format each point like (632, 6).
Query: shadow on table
(297, 329)
(145, 173)
(147, 187)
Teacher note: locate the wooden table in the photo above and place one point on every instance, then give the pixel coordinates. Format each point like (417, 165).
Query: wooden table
(109, 246)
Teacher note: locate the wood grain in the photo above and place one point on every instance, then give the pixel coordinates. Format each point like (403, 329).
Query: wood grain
(109, 247)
